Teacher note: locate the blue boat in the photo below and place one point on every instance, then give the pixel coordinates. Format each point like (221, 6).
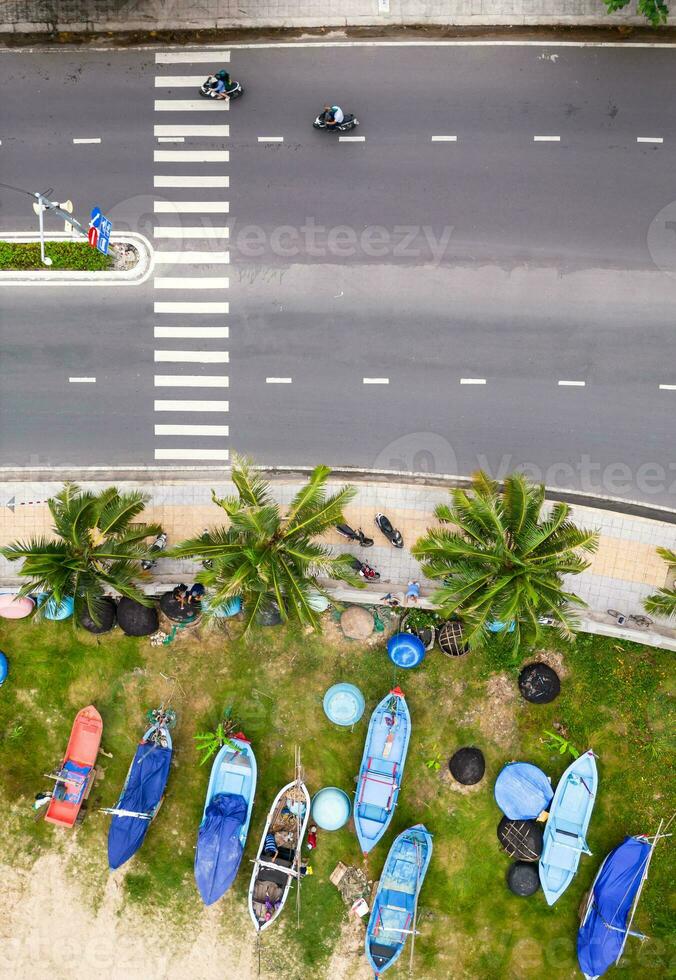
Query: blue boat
(382, 767)
(566, 830)
(225, 822)
(611, 903)
(141, 795)
(394, 909)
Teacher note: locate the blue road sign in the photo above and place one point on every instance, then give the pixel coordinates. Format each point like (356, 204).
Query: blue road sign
(104, 228)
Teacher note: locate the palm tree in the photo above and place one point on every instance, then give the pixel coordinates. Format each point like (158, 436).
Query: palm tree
(268, 558)
(97, 548)
(663, 602)
(502, 562)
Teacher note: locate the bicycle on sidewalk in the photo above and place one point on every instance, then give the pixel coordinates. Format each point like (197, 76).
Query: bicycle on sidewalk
(644, 622)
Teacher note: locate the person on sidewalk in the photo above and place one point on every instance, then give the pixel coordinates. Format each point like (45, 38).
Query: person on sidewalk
(412, 594)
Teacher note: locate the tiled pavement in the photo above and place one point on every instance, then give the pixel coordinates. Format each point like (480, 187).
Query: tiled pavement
(625, 569)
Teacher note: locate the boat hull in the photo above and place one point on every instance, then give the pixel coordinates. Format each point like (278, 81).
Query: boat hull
(78, 763)
(393, 913)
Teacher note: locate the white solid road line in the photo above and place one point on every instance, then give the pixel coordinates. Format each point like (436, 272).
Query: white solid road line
(95, 140)
(376, 381)
(572, 384)
(193, 356)
(191, 207)
(191, 231)
(351, 139)
(82, 381)
(173, 405)
(166, 180)
(206, 307)
(667, 387)
(191, 381)
(649, 139)
(191, 454)
(179, 81)
(191, 156)
(446, 44)
(191, 257)
(183, 57)
(192, 282)
(191, 105)
(472, 381)
(206, 130)
(191, 333)
(278, 381)
(270, 139)
(170, 139)
(444, 139)
(546, 139)
(192, 430)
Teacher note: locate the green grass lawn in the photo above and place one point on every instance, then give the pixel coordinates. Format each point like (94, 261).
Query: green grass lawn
(615, 698)
(76, 256)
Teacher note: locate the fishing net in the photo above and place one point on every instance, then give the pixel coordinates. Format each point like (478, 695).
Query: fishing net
(521, 839)
(539, 683)
(468, 765)
(523, 878)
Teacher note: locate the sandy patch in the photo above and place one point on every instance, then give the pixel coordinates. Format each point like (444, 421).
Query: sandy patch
(553, 658)
(494, 715)
(49, 930)
(348, 961)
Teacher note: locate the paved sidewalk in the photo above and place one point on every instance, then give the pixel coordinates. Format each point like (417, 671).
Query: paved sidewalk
(111, 15)
(625, 569)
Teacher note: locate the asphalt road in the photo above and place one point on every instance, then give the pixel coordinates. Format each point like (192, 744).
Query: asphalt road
(495, 257)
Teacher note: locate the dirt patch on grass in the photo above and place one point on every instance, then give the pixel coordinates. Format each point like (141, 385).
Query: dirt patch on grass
(553, 658)
(348, 961)
(495, 714)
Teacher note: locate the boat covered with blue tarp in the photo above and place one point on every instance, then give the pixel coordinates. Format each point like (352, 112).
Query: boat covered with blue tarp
(141, 795)
(393, 917)
(613, 896)
(225, 822)
(522, 791)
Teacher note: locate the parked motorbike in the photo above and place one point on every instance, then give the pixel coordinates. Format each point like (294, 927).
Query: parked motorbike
(208, 562)
(352, 535)
(348, 123)
(158, 545)
(391, 533)
(207, 91)
(370, 574)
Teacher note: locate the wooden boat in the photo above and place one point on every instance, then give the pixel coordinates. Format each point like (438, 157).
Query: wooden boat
(272, 875)
(382, 767)
(565, 832)
(225, 822)
(141, 795)
(76, 774)
(393, 916)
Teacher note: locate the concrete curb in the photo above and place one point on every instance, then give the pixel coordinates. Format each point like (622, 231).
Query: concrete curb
(123, 277)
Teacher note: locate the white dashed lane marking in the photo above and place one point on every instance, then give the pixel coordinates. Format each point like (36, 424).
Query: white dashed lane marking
(179, 81)
(191, 430)
(190, 333)
(206, 55)
(376, 381)
(444, 139)
(191, 282)
(546, 139)
(198, 307)
(192, 231)
(270, 139)
(193, 356)
(207, 130)
(191, 207)
(191, 105)
(82, 381)
(191, 454)
(190, 405)
(667, 387)
(191, 156)
(278, 381)
(572, 384)
(169, 180)
(191, 381)
(171, 139)
(351, 139)
(96, 139)
(191, 258)
(472, 381)
(649, 139)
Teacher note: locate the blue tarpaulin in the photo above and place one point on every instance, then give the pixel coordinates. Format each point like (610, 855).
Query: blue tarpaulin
(144, 790)
(603, 932)
(522, 791)
(219, 850)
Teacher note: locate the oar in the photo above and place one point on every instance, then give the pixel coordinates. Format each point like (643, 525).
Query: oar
(415, 906)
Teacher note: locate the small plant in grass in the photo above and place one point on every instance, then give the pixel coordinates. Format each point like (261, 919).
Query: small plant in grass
(561, 744)
(16, 733)
(209, 743)
(434, 761)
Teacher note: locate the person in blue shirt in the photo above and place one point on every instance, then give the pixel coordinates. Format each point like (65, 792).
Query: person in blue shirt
(333, 115)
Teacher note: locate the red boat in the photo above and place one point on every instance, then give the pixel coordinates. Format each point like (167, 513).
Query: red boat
(76, 775)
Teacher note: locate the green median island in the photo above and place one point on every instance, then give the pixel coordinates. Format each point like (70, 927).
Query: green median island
(65, 256)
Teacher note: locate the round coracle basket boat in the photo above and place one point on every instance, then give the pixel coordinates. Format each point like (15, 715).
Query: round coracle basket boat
(106, 612)
(468, 765)
(135, 619)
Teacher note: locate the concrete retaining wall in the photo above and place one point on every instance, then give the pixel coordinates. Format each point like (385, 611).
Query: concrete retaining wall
(50, 16)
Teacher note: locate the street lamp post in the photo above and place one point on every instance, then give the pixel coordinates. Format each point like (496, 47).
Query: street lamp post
(40, 207)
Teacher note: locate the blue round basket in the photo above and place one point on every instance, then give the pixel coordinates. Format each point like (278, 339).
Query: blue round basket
(331, 808)
(405, 650)
(4, 668)
(344, 704)
(227, 609)
(52, 611)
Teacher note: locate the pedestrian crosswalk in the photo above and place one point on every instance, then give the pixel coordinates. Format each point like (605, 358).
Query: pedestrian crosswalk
(191, 251)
